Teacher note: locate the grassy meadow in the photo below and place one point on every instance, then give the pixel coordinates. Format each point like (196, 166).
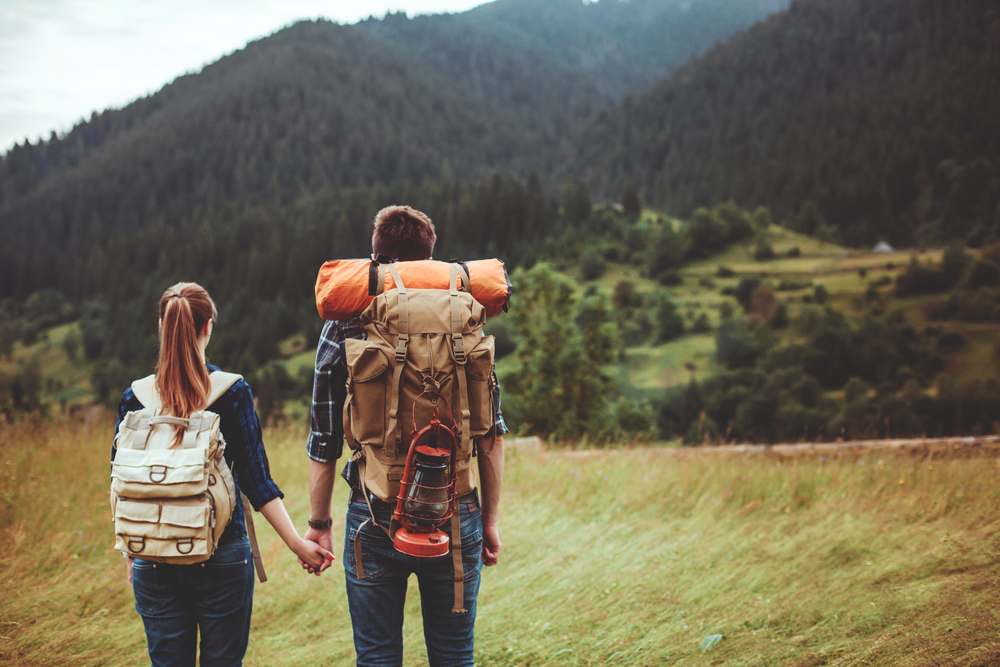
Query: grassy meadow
(658, 556)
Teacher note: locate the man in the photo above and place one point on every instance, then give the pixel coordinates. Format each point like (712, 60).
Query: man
(376, 591)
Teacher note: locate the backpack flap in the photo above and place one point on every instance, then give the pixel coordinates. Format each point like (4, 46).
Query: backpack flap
(160, 473)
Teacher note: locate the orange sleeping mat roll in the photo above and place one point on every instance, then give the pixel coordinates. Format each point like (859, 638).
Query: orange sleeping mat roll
(345, 287)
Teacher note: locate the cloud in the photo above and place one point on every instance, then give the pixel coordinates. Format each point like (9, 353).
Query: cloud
(62, 59)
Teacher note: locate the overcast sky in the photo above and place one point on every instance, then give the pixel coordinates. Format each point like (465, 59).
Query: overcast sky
(62, 59)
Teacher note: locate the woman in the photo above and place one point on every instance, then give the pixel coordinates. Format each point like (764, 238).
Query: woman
(215, 596)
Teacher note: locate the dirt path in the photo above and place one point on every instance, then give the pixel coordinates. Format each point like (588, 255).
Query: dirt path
(979, 445)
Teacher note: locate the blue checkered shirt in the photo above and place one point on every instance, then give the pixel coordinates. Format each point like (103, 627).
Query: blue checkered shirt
(326, 434)
(244, 449)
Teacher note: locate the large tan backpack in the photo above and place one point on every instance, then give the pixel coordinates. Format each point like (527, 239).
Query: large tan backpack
(172, 504)
(419, 339)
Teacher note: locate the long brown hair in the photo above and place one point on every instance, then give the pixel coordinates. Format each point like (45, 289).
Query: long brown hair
(181, 377)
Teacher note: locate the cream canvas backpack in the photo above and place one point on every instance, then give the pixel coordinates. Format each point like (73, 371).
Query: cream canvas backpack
(172, 504)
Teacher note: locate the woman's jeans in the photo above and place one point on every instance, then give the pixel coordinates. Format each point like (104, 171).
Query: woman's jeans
(376, 602)
(215, 596)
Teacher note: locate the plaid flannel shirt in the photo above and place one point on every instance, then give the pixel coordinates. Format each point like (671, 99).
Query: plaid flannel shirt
(244, 453)
(326, 435)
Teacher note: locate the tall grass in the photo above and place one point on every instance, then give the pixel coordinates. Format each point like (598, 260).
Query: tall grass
(625, 557)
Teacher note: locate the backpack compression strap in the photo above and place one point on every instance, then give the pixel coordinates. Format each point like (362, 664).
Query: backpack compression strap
(458, 346)
(395, 426)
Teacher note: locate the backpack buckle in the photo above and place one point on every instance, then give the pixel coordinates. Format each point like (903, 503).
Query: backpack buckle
(185, 542)
(157, 473)
(401, 348)
(134, 540)
(458, 344)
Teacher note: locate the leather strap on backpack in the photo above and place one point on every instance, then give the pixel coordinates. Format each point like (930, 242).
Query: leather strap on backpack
(456, 561)
(395, 427)
(458, 347)
(258, 562)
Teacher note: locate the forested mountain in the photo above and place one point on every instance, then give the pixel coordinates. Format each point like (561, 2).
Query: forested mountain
(501, 87)
(320, 107)
(882, 112)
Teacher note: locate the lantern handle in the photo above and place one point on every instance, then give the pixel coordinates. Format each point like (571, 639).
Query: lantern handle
(454, 425)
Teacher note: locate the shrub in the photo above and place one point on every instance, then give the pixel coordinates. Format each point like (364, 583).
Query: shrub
(820, 295)
(725, 272)
(794, 252)
(745, 289)
(635, 239)
(631, 203)
(667, 253)
(592, 265)
(633, 419)
(779, 317)
(735, 344)
(920, 279)
(983, 274)
(764, 251)
(670, 279)
(625, 295)
(669, 322)
(790, 285)
(950, 340)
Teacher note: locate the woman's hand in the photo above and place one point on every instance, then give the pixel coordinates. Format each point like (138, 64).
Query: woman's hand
(324, 538)
(313, 555)
(128, 569)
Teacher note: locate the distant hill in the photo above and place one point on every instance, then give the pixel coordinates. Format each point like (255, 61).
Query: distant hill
(502, 87)
(882, 112)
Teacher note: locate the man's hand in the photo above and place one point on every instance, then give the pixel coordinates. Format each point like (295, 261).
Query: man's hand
(128, 569)
(324, 538)
(491, 545)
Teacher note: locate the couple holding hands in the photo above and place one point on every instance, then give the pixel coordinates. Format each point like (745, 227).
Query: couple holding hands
(215, 596)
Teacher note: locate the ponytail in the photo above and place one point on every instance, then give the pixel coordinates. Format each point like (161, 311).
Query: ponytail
(181, 377)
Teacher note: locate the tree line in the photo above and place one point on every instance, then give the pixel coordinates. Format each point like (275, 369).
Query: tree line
(878, 112)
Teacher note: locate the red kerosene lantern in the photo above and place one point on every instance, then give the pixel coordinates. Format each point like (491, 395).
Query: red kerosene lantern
(426, 498)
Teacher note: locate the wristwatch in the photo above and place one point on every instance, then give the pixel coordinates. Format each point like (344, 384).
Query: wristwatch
(320, 525)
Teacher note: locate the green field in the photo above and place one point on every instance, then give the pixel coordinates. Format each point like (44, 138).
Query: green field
(626, 557)
(647, 369)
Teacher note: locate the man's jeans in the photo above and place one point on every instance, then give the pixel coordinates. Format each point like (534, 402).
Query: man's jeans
(215, 596)
(376, 601)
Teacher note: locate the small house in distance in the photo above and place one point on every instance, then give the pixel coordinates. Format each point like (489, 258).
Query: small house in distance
(882, 246)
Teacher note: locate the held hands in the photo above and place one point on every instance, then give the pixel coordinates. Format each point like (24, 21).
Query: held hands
(323, 540)
(313, 555)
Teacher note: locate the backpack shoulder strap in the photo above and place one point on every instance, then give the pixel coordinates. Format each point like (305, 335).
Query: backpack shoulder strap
(145, 391)
(145, 388)
(221, 382)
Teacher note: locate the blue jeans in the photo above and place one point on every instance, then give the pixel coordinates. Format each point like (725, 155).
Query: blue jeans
(215, 596)
(376, 602)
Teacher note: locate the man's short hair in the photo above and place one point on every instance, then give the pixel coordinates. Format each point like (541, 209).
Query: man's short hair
(403, 233)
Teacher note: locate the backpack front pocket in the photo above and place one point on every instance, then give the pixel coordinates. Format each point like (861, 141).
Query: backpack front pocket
(165, 528)
(367, 364)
